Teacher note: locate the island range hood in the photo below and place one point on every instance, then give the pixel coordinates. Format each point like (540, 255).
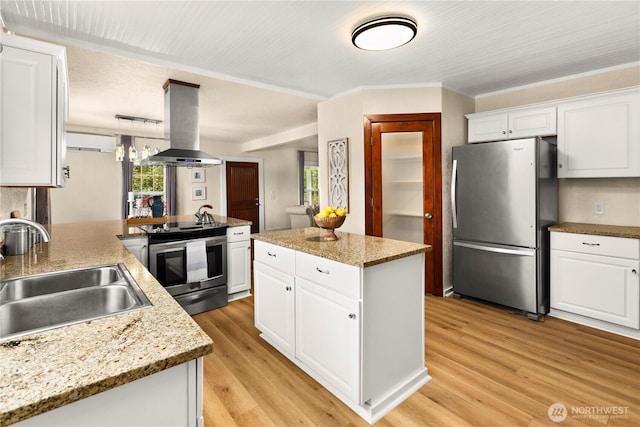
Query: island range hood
(181, 129)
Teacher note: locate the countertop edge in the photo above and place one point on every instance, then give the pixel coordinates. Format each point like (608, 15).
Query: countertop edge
(338, 256)
(52, 402)
(628, 232)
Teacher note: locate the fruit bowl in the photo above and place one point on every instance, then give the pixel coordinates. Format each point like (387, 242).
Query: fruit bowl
(328, 224)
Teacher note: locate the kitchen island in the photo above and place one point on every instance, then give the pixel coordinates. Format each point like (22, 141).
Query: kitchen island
(350, 313)
(43, 371)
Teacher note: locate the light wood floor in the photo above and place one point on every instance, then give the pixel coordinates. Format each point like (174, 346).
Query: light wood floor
(489, 368)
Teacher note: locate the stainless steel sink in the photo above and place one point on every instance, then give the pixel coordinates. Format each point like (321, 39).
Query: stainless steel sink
(45, 301)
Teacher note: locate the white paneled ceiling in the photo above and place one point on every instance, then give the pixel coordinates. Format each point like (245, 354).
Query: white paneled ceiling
(263, 65)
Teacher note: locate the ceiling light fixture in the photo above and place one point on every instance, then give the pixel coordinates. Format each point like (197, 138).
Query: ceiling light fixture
(384, 33)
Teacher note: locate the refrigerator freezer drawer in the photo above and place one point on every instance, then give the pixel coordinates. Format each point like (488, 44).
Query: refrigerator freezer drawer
(500, 274)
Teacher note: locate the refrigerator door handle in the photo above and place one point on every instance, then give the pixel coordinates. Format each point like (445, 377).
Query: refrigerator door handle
(523, 252)
(454, 179)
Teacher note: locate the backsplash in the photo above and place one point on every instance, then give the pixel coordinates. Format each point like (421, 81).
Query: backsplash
(620, 198)
(15, 199)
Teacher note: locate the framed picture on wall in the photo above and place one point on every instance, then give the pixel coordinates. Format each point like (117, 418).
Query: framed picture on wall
(198, 175)
(198, 193)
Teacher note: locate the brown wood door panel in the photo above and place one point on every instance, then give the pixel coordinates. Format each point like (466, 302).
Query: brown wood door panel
(429, 126)
(243, 193)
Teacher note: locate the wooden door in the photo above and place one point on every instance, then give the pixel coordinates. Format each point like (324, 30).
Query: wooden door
(243, 194)
(428, 127)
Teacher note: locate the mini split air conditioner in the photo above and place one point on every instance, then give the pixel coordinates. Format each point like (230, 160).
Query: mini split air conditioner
(90, 142)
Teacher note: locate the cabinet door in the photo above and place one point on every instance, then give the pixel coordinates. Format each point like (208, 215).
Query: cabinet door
(601, 287)
(138, 246)
(274, 306)
(491, 127)
(599, 137)
(239, 266)
(532, 122)
(27, 118)
(327, 336)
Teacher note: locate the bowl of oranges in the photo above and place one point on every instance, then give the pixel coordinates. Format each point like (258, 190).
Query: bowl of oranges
(330, 218)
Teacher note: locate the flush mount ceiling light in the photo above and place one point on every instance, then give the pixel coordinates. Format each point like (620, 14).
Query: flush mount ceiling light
(384, 33)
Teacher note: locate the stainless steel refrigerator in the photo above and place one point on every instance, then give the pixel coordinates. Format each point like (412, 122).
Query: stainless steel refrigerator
(503, 198)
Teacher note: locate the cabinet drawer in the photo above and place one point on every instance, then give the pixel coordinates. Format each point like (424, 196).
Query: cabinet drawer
(237, 234)
(275, 256)
(596, 245)
(341, 278)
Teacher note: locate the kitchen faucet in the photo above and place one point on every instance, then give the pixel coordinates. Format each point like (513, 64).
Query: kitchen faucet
(43, 231)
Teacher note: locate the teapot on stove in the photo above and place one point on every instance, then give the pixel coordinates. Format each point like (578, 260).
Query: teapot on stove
(204, 217)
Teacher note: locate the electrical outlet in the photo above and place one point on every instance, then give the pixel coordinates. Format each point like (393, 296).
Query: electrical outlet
(598, 208)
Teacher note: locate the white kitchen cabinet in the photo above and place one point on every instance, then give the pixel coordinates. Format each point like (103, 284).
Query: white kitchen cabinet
(238, 261)
(139, 247)
(599, 136)
(172, 397)
(357, 331)
(595, 281)
(512, 124)
(274, 299)
(33, 112)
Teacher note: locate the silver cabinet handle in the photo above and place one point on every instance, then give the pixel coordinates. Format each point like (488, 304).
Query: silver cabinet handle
(352, 315)
(590, 244)
(319, 270)
(428, 215)
(271, 254)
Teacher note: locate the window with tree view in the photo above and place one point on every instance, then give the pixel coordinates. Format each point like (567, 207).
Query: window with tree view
(147, 181)
(310, 185)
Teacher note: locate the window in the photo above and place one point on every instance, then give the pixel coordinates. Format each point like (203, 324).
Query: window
(310, 185)
(308, 178)
(147, 181)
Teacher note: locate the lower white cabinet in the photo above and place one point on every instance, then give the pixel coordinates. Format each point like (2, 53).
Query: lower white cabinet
(596, 280)
(238, 259)
(357, 331)
(139, 247)
(327, 335)
(172, 397)
(274, 306)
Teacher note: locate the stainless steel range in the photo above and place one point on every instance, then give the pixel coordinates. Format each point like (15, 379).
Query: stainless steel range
(190, 260)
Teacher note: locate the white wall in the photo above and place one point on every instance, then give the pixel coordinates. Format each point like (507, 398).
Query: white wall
(93, 191)
(343, 117)
(577, 196)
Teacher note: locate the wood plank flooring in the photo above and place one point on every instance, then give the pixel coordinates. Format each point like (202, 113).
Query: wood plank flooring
(489, 368)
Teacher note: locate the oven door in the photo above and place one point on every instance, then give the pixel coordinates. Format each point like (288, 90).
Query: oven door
(168, 264)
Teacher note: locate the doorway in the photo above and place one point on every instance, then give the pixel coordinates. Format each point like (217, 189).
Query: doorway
(403, 184)
(243, 192)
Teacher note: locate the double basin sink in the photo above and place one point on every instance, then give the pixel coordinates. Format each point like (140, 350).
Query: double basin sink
(40, 302)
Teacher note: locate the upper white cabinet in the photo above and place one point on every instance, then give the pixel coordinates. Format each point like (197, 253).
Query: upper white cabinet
(512, 124)
(599, 136)
(33, 112)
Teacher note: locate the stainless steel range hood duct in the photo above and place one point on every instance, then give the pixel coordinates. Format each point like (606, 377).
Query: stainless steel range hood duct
(181, 128)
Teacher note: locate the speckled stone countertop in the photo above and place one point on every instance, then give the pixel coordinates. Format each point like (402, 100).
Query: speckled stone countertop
(43, 371)
(598, 229)
(353, 249)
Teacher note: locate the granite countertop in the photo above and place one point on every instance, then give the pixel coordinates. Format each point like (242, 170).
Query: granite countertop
(43, 371)
(598, 229)
(353, 249)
